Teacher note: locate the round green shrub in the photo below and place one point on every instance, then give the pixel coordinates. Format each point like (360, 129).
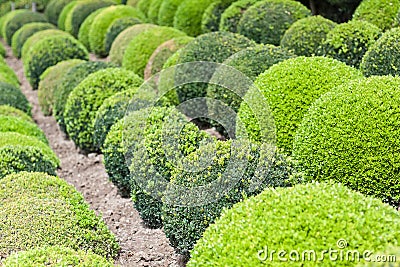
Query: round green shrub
(289, 88)
(20, 20)
(54, 9)
(140, 49)
(380, 13)
(167, 12)
(80, 12)
(123, 40)
(24, 33)
(41, 210)
(340, 139)
(306, 36)
(49, 81)
(64, 14)
(152, 14)
(21, 126)
(388, 257)
(71, 79)
(9, 74)
(232, 15)
(118, 26)
(2, 50)
(189, 15)
(101, 23)
(13, 96)
(144, 6)
(48, 52)
(4, 78)
(20, 152)
(84, 30)
(212, 15)
(305, 218)
(56, 256)
(348, 42)
(6, 18)
(6, 110)
(86, 99)
(267, 21)
(382, 58)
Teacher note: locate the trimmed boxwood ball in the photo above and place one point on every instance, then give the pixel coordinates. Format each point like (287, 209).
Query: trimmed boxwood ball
(212, 15)
(310, 217)
(348, 42)
(152, 14)
(381, 13)
(289, 88)
(20, 152)
(49, 81)
(50, 51)
(21, 126)
(6, 18)
(54, 9)
(20, 20)
(140, 49)
(6, 110)
(41, 210)
(118, 26)
(64, 13)
(305, 36)
(189, 15)
(56, 256)
(9, 75)
(101, 23)
(167, 11)
(23, 34)
(267, 21)
(84, 30)
(232, 15)
(340, 139)
(13, 96)
(144, 6)
(86, 99)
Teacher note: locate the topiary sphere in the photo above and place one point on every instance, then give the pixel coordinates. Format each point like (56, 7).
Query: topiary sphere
(154, 8)
(6, 110)
(381, 13)
(232, 15)
(64, 13)
(54, 9)
(140, 49)
(118, 26)
(306, 36)
(348, 42)
(84, 30)
(167, 12)
(212, 15)
(144, 6)
(267, 21)
(13, 96)
(8, 74)
(382, 57)
(189, 15)
(290, 88)
(6, 18)
(21, 126)
(20, 20)
(4, 78)
(312, 217)
(340, 139)
(86, 99)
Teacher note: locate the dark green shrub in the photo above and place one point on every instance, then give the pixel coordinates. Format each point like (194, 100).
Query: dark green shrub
(84, 30)
(289, 88)
(267, 21)
(41, 210)
(24, 33)
(21, 126)
(232, 15)
(140, 49)
(6, 18)
(152, 14)
(48, 52)
(306, 36)
(71, 79)
(101, 23)
(6, 110)
(64, 13)
(88, 96)
(382, 58)
(306, 218)
(189, 14)
(20, 152)
(340, 139)
(167, 12)
(212, 15)
(381, 13)
(2, 50)
(118, 26)
(20, 20)
(348, 42)
(144, 6)
(8, 74)
(49, 81)
(54, 9)
(13, 96)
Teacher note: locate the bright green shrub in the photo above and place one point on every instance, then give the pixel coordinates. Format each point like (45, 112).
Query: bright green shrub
(381, 13)
(23, 34)
(212, 15)
(267, 21)
(4, 78)
(41, 210)
(20, 152)
(154, 8)
(306, 36)
(189, 15)
(123, 40)
(6, 110)
(118, 26)
(348, 42)
(64, 13)
(144, 6)
(140, 49)
(2, 50)
(21, 126)
(102, 21)
(6, 18)
(48, 52)
(340, 139)
(167, 11)
(54, 9)
(382, 58)
(311, 217)
(20, 20)
(13, 96)
(88, 96)
(386, 258)
(289, 88)
(232, 15)
(71, 79)
(49, 81)
(9, 74)
(84, 30)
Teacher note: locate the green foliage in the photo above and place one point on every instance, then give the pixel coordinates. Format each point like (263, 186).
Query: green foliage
(310, 217)
(20, 20)
(39, 210)
(84, 30)
(232, 15)
(54, 9)
(64, 13)
(8, 74)
(212, 15)
(86, 99)
(167, 12)
(2, 50)
(381, 13)
(21, 126)
(48, 52)
(13, 96)
(341, 139)
(289, 88)
(6, 18)
(132, 3)
(118, 26)
(49, 81)
(348, 42)
(267, 21)
(306, 36)
(154, 8)
(6, 110)
(37, 37)
(144, 6)
(189, 15)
